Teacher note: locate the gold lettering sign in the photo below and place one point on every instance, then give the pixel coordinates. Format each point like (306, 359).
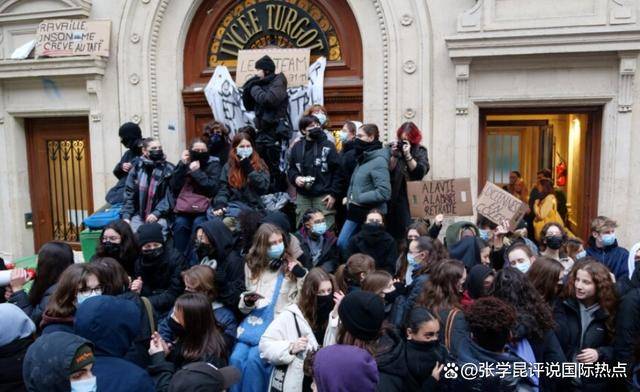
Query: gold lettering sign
(254, 24)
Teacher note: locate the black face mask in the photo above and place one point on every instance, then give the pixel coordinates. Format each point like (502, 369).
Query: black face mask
(324, 306)
(204, 250)
(274, 265)
(202, 157)
(156, 155)
(177, 329)
(151, 256)
(553, 242)
(314, 133)
(360, 146)
(111, 249)
(390, 298)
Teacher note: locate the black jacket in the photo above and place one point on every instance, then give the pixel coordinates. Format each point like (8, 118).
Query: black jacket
(421, 360)
(21, 300)
(162, 282)
(377, 243)
(138, 352)
(257, 185)
(11, 359)
(319, 159)
(162, 202)
(205, 180)
(329, 256)
(348, 163)
(392, 362)
(569, 330)
(116, 193)
(627, 327)
(268, 99)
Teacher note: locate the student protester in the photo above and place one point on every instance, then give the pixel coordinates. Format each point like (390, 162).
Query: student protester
(214, 248)
(575, 249)
(374, 241)
(158, 269)
(382, 283)
(77, 283)
(314, 167)
(490, 324)
(350, 275)
(319, 112)
(554, 239)
(359, 321)
(216, 136)
(369, 183)
(603, 246)
(112, 324)
(295, 331)
(441, 296)
(520, 257)
(198, 377)
(60, 362)
(421, 253)
(244, 179)
(409, 162)
(147, 197)
(479, 284)
(131, 138)
(200, 279)
(347, 136)
(318, 242)
(18, 333)
(586, 320)
(193, 183)
(547, 276)
(266, 95)
(463, 243)
(344, 368)
(118, 242)
(273, 278)
(545, 208)
(53, 258)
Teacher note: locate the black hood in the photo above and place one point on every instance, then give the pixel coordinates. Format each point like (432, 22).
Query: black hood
(475, 280)
(279, 219)
(467, 251)
(372, 234)
(220, 236)
(390, 354)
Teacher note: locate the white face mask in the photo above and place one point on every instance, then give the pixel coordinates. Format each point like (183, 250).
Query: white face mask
(86, 385)
(81, 297)
(321, 117)
(523, 267)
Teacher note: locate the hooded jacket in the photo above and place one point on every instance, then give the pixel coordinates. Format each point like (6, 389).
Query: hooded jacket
(48, 362)
(318, 159)
(135, 202)
(112, 324)
(421, 358)
(392, 362)
(374, 241)
(614, 257)
(21, 299)
(475, 284)
(229, 275)
(370, 184)
(15, 338)
(205, 181)
(268, 98)
(162, 281)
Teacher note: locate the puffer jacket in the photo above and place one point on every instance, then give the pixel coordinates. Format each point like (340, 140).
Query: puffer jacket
(370, 184)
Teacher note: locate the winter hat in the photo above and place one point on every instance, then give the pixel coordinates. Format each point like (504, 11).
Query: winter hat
(150, 232)
(14, 324)
(266, 64)
(203, 376)
(84, 356)
(362, 314)
(344, 368)
(130, 131)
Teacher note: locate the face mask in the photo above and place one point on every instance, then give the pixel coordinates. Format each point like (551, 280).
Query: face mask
(86, 385)
(484, 235)
(177, 328)
(314, 133)
(360, 145)
(423, 346)
(152, 254)
(321, 117)
(81, 297)
(390, 298)
(608, 239)
(203, 250)
(411, 259)
(344, 136)
(324, 307)
(156, 155)
(523, 267)
(581, 255)
(553, 242)
(319, 228)
(244, 152)
(373, 227)
(111, 248)
(199, 156)
(275, 251)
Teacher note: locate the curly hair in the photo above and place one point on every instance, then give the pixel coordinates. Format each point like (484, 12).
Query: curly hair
(533, 313)
(441, 291)
(605, 287)
(490, 320)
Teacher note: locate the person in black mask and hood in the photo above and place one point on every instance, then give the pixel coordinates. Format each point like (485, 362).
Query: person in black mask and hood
(479, 284)
(216, 135)
(374, 241)
(131, 138)
(118, 242)
(147, 193)
(425, 354)
(158, 269)
(266, 95)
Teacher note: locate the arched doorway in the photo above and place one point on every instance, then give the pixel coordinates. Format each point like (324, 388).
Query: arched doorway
(221, 27)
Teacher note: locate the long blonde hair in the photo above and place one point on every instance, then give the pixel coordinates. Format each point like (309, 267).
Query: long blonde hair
(256, 258)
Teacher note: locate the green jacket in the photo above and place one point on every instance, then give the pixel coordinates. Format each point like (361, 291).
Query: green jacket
(370, 184)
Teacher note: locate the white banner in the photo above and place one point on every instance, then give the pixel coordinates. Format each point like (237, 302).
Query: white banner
(225, 99)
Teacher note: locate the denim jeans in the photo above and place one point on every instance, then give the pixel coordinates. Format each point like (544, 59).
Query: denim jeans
(184, 229)
(348, 230)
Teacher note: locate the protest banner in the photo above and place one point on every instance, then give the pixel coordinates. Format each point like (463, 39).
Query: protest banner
(293, 63)
(498, 205)
(225, 98)
(451, 197)
(73, 37)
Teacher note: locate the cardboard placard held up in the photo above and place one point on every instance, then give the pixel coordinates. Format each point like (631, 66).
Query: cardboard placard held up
(498, 205)
(448, 197)
(73, 37)
(294, 63)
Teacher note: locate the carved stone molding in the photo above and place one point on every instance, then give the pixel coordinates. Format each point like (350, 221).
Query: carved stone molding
(409, 66)
(136, 119)
(622, 12)
(409, 113)
(153, 63)
(406, 20)
(385, 61)
(134, 79)
(628, 65)
(462, 67)
(135, 38)
(471, 19)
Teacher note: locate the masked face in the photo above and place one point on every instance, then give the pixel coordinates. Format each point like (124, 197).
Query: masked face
(427, 332)
(321, 117)
(519, 259)
(151, 255)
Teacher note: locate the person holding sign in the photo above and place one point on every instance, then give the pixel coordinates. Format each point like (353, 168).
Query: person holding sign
(266, 95)
(409, 162)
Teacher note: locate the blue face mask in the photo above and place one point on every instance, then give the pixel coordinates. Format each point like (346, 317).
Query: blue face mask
(319, 228)
(275, 251)
(411, 259)
(244, 152)
(81, 297)
(608, 239)
(484, 235)
(581, 255)
(343, 136)
(523, 267)
(86, 385)
(321, 117)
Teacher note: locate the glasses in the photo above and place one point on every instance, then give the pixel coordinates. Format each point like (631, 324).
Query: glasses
(96, 290)
(111, 239)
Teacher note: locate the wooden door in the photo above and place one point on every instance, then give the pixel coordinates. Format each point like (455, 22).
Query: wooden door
(60, 184)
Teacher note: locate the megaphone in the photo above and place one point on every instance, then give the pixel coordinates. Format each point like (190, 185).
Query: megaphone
(5, 278)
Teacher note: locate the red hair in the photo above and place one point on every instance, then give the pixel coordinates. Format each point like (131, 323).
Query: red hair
(237, 179)
(412, 131)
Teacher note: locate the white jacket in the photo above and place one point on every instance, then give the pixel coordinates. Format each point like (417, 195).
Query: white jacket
(265, 286)
(278, 339)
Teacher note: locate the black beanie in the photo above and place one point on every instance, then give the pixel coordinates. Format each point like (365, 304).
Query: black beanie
(150, 232)
(362, 314)
(130, 131)
(266, 64)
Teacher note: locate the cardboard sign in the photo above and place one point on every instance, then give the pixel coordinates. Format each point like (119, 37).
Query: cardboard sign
(73, 37)
(498, 205)
(448, 197)
(293, 63)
